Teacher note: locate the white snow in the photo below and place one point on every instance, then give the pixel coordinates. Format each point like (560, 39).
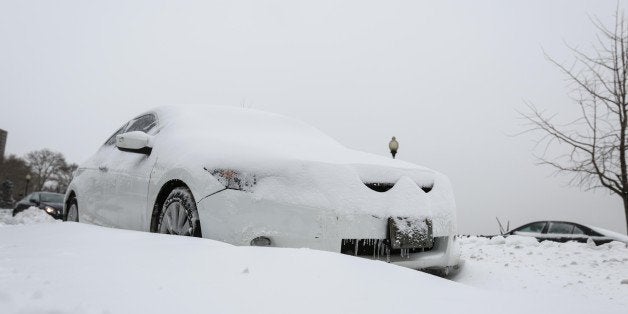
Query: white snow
(519, 264)
(78, 268)
(29, 216)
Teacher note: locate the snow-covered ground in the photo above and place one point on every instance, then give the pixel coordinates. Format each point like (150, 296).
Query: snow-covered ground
(77, 268)
(521, 264)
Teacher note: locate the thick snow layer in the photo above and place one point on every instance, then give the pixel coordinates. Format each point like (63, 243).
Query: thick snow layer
(520, 264)
(78, 268)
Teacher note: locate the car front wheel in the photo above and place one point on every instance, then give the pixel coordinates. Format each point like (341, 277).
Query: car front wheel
(179, 215)
(72, 214)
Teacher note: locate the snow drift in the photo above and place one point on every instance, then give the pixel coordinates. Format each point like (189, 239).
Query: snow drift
(78, 268)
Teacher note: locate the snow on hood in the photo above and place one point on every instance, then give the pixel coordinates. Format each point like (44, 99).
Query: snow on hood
(256, 140)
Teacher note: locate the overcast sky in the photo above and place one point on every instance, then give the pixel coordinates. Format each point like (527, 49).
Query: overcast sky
(445, 78)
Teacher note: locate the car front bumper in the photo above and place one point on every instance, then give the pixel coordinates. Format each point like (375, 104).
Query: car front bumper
(238, 217)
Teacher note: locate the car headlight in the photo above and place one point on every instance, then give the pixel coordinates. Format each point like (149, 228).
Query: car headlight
(50, 210)
(234, 180)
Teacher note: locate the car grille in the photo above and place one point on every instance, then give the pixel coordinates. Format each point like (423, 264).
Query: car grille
(376, 248)
(384, 187)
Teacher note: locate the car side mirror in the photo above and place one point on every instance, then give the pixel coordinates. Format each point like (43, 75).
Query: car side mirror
(34, 201)
(134, 142)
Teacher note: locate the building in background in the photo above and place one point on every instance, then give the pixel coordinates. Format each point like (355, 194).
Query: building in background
(3, 143)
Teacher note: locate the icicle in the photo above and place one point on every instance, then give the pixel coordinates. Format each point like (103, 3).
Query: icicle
(373, 251)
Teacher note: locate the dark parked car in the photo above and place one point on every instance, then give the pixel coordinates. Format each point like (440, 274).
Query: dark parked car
(563, 231)
(51, 203)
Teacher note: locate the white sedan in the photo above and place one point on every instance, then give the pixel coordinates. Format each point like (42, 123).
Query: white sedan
(248, 177)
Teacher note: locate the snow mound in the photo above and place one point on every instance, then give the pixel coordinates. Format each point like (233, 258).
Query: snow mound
(520, 241)
(32, 215)
(92, 269)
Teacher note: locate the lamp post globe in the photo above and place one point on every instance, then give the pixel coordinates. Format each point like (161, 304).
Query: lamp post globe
(394, 146)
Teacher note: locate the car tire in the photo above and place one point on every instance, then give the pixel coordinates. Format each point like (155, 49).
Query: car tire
(73, 212)
(178, 214)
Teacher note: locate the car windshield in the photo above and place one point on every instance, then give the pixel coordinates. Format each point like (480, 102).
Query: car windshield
(51, 197)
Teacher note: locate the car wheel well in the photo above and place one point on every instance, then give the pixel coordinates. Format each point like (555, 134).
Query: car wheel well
(68, 203)
(71, 196)
(161, 198)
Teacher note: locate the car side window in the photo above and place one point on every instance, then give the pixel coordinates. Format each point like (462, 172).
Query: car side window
(560, 228)
(577, 230)
(112, 139)
(144, 123)
(536, 227)
(34, 196)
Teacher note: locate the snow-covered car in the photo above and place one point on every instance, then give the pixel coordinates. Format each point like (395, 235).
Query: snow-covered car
(563, 231)
(248, 177)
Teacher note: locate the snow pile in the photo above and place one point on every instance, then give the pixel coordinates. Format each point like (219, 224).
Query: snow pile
(32, 215)
(91, 269)
(523, 265)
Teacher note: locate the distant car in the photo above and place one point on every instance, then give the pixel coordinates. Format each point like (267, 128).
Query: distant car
(248, 177)
(563, 231)
(51, 203)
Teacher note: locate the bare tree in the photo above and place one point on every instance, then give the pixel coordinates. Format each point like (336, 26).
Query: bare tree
(594, 144)
(64, 176)
(44, 164)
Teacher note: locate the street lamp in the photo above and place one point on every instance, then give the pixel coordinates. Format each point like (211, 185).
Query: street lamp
(394, 146)
(28, 181)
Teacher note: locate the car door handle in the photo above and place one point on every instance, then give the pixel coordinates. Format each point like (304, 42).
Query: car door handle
(103, 168)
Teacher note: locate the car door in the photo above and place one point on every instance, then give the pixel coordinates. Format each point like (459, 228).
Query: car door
(97, 187)
(579, 234)
(561, 232)
(131, 173)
